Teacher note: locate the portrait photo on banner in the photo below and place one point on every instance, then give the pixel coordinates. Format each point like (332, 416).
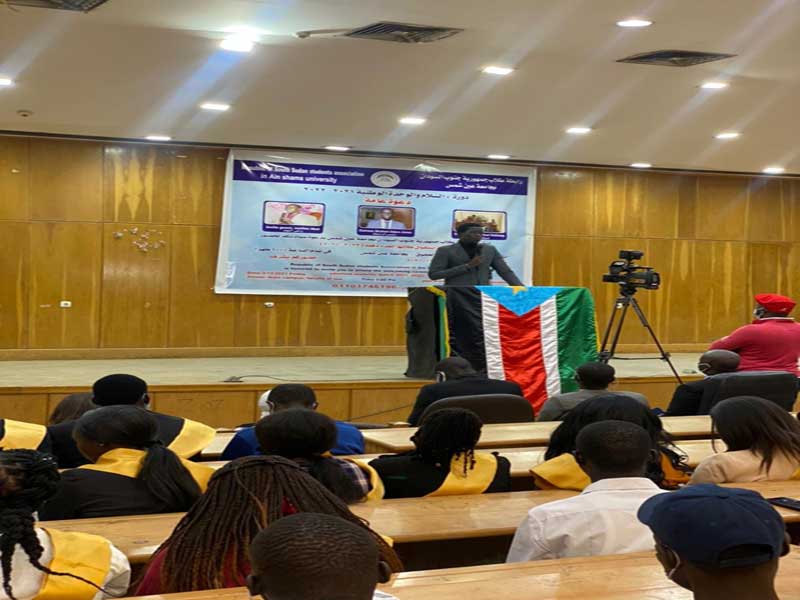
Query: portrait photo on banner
(287, 216)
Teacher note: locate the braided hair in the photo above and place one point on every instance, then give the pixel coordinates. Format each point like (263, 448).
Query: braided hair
(448, 433)
(27, 479)
(243, 497)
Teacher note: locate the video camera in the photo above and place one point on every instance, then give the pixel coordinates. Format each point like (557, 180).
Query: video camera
(630, 275)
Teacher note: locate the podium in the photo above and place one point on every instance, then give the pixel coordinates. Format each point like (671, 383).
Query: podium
(535, 336)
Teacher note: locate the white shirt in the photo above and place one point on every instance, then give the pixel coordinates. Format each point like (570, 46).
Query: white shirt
(27, 580)
(600, 520)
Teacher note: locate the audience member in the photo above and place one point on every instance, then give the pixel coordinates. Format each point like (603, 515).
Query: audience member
(444, 461)
(208, 548)
(287, 396)
(132, 472)
(17, 435)
(602, 519)
(762, 439)
(43, 563)
(720, 543)
(71, 408)
(666, 469)
(697, 397)
(593, 378)
(771, 342)
(456, 377)
(312, 556)
(306, 437)
(184, 437)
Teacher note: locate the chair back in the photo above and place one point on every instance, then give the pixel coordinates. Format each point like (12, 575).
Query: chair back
(779, 387)
(491, 408)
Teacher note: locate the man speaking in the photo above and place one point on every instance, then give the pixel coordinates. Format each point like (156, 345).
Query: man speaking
(469, 262)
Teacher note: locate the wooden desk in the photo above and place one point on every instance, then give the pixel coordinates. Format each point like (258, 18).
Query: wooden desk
(215, 448)
(406, 520)
(627, 576)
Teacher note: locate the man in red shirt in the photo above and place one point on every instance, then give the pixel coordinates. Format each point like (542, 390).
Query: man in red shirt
(771, 342)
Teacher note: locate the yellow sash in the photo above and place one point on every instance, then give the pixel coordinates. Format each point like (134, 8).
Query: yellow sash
(192, 438)
(477, 480)
(562, 473)
(376, 484)
(795, 476)
(81, 554)
(128, 462)
(22, 435)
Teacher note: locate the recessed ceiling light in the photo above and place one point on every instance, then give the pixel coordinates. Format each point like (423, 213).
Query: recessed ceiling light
(6, 82)
(218, 106)
(337, 148)
(641, 165)
(727, 135)
(499, 156)
(158, 138)
(714, 85)
(634, 23)
(773, 170)
(579, 130)
(412, 120)
(495, 70)
(238, 42)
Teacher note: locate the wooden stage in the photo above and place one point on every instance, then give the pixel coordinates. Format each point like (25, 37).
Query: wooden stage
(369, 389)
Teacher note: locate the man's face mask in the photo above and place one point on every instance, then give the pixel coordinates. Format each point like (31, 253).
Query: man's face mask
(758, 312)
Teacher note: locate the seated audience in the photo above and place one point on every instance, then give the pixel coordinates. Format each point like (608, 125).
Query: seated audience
(697, 397)
(444, 461)
(306, 437)
(71, 408)
(184, 437)
(16, 435)
(131, 471)
(666, 469)
(308, 556)
(720, 543)
(456, 377)
(43, 563)
(602, 519)
(287, 396)
(208, 548)
(593, 378)
(762, 439)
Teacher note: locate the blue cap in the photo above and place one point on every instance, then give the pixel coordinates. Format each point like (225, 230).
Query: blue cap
(701, 522)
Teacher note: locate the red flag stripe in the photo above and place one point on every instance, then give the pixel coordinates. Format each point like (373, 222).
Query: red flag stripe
(523, 361)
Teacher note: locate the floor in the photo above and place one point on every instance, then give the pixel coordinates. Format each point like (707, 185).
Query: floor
(168, 371)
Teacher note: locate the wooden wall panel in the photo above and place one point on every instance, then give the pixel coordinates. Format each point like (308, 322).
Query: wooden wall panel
(15, 272)
(563, 261)
(675, 260)
(137, 184)
(618, 204)
(217, 409)
(65, 265)
(383, 321)
(14, 178)
(661, 204)
(135, 290)
(381, 406)
(565, 201)
(258, 325)
(330, 321)
(721, 275)
(66, 180)
(199, 182)
(334, 403)
(30, 408)
(721, 208)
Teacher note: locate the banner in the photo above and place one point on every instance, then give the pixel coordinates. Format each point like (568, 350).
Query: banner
(339, 225)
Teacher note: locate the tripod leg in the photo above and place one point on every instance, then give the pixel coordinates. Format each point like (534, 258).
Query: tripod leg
(607, 354)
(664, 354)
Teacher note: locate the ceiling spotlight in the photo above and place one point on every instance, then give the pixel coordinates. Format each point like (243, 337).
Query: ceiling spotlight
(6, 82)
(158, 138)
(337, 148)
(714, 85)
(579, 130)
(727, 135)
(499, 156)
(495, 70)
(215, 106)
(773, 170)
(412, 120)
(641, 165)
(238, 42)
(634, 23)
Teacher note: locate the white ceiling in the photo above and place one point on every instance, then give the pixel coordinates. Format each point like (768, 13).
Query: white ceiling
(135, 67)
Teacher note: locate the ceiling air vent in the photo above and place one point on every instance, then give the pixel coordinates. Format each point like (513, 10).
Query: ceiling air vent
(675, 58)
(76, 5)
(402, 32)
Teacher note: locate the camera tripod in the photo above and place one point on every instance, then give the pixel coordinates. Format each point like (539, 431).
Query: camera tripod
(627, 300)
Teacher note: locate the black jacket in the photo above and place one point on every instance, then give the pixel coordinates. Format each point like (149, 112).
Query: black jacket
(694, 398)
(465, 386)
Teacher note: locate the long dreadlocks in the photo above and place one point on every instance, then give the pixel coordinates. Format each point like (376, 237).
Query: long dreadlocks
(448, 433)
(27, 479)
(243, 497)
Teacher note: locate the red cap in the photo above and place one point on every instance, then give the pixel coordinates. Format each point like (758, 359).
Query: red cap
(776, 303)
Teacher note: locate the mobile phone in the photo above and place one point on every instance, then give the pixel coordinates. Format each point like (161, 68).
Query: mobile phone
(790, 503)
